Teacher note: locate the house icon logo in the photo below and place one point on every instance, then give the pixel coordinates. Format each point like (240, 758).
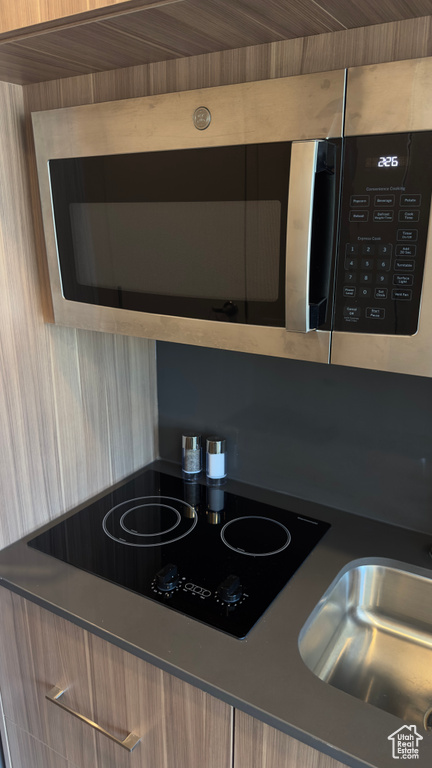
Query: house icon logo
(405, 743)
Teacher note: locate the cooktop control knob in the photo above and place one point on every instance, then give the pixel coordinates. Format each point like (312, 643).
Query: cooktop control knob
(230, 590)
(167, 578)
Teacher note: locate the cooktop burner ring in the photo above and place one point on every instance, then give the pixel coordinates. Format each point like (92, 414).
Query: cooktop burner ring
(186, 520)
(152, 504)
(284, 542)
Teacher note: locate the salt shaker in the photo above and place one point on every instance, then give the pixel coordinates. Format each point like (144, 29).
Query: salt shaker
(216, 459)
(191, 454)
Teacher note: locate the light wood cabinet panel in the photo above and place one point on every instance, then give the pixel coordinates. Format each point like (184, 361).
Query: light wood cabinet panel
(77, 409)
(27, 752)
(178, 724)
(257, 745)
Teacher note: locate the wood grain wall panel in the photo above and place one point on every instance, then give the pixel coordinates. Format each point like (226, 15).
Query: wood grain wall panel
(77, 409)
(29, 463)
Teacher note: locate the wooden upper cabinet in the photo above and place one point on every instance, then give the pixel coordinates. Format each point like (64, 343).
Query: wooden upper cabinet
(177, 723)
(43, 40)
(20, 14)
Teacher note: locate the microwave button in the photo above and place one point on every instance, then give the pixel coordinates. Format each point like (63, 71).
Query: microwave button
(402, 294)
(375, 313)
(366, 277)
(350, 277)
(380, 293)
(365, 293)
(411, 216)
(384, 264)
(351, 313)
(366, 263)
(358, 216)
(406, 200)
(360, 201)
(384, 200)
(406, 250)
(349, 291)
(403, 279)
(404, 265)
(368, 250)
(351, 263)
(408, 235)
(385, 250)
(383, 216)
(351, 249)
(382, 279)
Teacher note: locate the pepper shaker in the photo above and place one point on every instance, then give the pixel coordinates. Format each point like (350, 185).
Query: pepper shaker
(191, 454)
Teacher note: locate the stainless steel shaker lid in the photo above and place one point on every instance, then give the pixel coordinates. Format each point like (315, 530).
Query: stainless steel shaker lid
(216, 444)
(191, 441)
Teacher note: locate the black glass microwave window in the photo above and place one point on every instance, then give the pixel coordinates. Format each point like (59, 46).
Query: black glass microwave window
(194, 233)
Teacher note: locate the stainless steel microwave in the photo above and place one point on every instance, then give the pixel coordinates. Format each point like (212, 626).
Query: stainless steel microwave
(287, 217)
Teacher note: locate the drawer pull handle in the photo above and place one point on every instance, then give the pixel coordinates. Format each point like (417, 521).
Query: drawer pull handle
(128, 743)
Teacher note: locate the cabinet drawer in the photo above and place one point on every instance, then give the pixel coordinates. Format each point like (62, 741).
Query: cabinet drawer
(177, 723)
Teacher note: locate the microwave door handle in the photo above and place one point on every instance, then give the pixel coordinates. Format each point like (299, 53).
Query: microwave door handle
(299, 234)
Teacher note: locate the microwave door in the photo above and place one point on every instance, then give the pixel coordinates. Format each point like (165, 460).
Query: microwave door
(275, 112)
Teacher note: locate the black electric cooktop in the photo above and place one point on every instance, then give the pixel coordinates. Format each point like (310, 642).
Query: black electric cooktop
(214, 556)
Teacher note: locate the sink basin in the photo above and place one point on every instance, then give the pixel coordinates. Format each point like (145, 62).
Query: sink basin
(371, 636)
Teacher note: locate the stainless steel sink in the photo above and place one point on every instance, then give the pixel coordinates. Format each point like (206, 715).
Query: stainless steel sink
(371, 636)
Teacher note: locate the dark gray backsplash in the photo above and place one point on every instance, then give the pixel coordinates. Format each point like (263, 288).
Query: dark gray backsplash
(353, 439)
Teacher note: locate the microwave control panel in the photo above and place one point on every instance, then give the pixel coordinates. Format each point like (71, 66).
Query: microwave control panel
(386, 200)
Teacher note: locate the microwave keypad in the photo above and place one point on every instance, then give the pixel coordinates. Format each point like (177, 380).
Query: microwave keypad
(384, 225)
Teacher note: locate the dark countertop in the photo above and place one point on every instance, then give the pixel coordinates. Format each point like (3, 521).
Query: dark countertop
(264, 674)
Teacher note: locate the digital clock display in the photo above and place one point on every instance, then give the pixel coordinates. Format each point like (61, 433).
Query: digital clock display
(387, 161)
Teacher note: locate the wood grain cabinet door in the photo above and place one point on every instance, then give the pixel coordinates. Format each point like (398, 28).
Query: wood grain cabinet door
(257, 745)
(179, 726)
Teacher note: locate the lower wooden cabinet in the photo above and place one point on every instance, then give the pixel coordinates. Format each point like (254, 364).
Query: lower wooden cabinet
(257, 745)
(179, 725)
